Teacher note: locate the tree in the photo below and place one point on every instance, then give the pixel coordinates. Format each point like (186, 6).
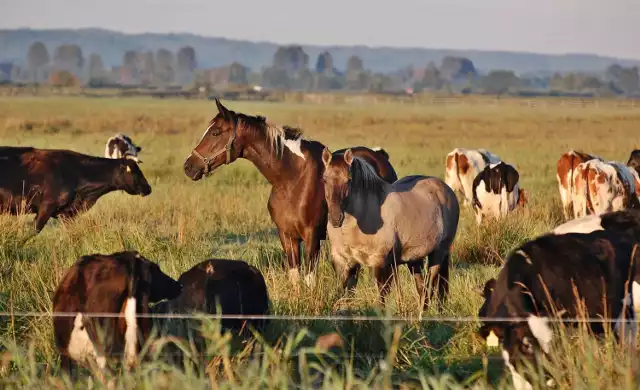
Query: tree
(37, 60)
(63, 78)
(68, 57)
(238, 74)
(164, 67)
(96, 72)
(354, 64)
(430, 79)
(324, 64)
(131, 67)
(148, 68)
(290, 58)
(186, 64)
(500, 81)
(624, 79)
(277, 78)
(457, 69)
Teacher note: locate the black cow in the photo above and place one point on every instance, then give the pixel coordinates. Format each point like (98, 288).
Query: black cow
(596, 263)
(122, 282)
(236, 286)
(496, 191)
(62, 183)
(634, 160)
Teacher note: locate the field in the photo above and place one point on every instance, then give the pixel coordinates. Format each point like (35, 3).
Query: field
(183, 222)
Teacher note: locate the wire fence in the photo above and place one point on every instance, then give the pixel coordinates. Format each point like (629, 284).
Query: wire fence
(305, 318)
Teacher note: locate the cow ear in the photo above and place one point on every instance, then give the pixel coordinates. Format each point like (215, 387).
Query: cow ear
(326, 157)
(348, 157)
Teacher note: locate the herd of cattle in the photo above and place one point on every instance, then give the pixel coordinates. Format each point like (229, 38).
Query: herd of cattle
(371, 218)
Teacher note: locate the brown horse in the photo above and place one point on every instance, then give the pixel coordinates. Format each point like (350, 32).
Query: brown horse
(296, 205)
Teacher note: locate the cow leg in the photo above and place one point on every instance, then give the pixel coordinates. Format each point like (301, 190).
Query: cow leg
(45, 212)
(384, 276)
(291, 248)
(417, 270)
(67, 366)
(311, 255)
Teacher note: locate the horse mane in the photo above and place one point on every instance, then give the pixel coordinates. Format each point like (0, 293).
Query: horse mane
(276, 135)
(365, 178)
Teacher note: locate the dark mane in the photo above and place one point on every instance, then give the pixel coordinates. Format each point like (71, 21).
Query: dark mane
(259, 123)
(364, 177)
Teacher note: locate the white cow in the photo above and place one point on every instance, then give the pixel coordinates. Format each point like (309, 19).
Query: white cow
(121, 146)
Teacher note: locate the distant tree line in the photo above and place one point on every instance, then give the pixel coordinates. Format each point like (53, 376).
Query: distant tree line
(292, 69)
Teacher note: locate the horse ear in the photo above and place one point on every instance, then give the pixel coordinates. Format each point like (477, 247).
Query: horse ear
(348, 156)
(326, 156)
(224, 111)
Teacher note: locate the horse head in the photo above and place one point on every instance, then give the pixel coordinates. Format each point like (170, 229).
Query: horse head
(337, 183)
(219, 145)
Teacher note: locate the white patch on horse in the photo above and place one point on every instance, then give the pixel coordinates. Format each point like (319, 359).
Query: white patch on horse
(541, 331)
(80, 346)
(376, 148)
(206, 131)
(635, 292)
(131, 334)
(584, 225)
(519, 383)
(294, 146)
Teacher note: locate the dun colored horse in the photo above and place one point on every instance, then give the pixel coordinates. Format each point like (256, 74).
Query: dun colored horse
(291, 164)
(381, 225)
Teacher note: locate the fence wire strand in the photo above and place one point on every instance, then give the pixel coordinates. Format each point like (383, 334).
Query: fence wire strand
(276, 317)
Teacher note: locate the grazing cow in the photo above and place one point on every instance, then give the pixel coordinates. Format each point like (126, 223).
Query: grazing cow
(121, 146)
(623, 222)
(540, 280)
(634, 160)
(236, 286)
(604, 186)
(462, 166)
(496, 191)
(62, 183)
(565, 175)
(122, 282)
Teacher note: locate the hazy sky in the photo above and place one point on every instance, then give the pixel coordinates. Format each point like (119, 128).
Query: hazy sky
(610, 27)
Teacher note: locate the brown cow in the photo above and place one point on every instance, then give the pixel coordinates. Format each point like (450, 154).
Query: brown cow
(565, 175)
(122, 282)
(62, 183)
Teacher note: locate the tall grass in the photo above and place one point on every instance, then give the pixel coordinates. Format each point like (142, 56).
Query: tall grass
(183, 222)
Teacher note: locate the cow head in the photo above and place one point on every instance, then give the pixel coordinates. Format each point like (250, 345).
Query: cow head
(522, 197)
(634, 160)
(519, 339)
(130, 179)
(121, 145)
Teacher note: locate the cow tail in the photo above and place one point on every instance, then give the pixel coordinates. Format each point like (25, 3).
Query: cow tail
(476, 201)
(585, 177)
(457, 156)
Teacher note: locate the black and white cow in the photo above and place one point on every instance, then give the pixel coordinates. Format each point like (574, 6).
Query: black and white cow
(121, 146)
(496, 191)
(121, 283)
(551, 266)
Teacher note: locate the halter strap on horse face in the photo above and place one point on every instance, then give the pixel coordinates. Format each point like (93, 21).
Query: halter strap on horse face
(207, 161)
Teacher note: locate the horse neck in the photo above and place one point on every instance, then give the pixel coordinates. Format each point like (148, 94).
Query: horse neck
(274, 168)
(362, 201)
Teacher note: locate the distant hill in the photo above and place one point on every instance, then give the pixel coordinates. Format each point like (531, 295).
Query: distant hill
(214, 52)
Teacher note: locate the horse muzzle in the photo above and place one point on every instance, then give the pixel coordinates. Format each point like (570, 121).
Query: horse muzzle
(336, 219)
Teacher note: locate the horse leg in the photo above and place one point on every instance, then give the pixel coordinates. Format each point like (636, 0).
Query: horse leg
(291, 248)
(348, 274)
(416, 268)
(384, 276)
(438, 276)
(311, 255)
